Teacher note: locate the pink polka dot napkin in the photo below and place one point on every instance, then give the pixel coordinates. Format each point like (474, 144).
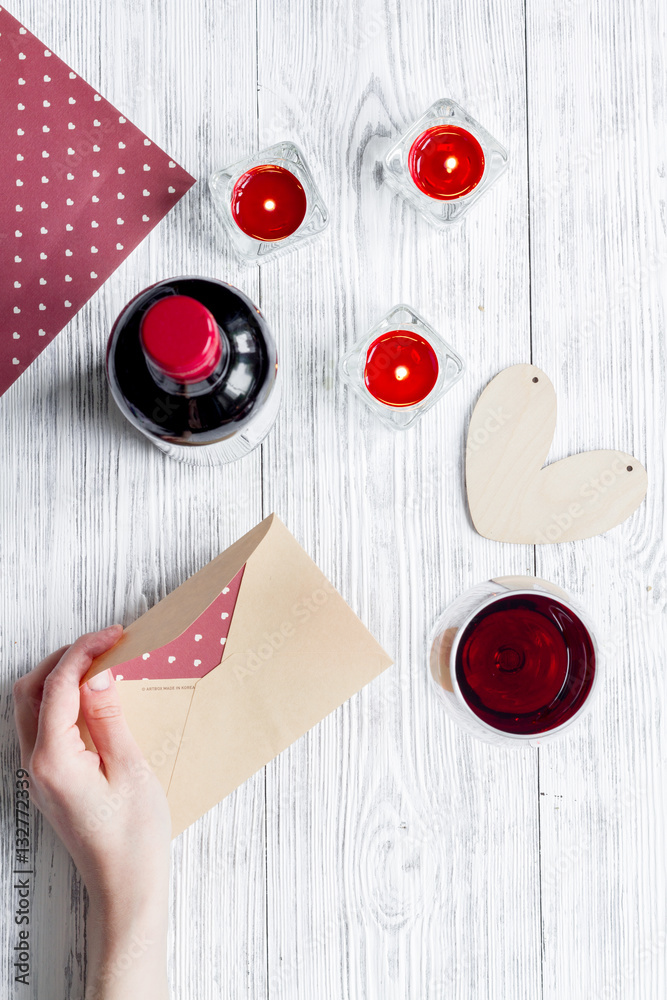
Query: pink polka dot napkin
(81, 188)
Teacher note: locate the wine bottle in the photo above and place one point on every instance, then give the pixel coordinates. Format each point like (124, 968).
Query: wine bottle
(192, 364)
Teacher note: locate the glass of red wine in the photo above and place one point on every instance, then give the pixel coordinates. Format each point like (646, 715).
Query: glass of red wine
(444, 162)
(269, 203)
(514, 661)
(401, 368)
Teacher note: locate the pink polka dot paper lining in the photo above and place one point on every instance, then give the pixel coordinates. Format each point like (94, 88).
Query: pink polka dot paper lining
(82, 186)
(194, 652)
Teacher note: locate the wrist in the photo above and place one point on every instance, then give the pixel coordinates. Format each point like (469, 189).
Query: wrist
(127, 947)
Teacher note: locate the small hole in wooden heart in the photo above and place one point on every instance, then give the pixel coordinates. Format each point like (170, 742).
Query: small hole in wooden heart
(629, 468)
(536, 379)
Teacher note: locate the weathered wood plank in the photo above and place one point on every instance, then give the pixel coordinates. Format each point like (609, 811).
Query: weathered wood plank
(96, 524)
(596, 139)
(403, 856)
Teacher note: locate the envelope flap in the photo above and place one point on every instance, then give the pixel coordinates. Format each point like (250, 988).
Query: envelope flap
(295, 652)
(168, 619)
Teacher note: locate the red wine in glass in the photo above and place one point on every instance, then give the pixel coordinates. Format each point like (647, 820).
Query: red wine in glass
(446, 162)
(525, 664)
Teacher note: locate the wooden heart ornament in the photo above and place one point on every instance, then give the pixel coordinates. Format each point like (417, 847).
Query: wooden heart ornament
(512, 498)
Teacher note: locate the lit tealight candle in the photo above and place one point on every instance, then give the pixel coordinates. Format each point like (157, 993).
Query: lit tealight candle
(268, 202)
(446, 162)
(401, 368)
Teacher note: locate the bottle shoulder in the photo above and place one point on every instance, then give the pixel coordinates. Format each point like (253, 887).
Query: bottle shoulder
(222, 408)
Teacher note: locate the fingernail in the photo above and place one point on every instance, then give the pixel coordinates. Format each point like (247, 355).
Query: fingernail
(111, 628)
(101, 681)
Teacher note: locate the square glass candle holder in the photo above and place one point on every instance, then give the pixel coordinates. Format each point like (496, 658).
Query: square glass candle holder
(401, 368)
(444, 163)
(269, 203)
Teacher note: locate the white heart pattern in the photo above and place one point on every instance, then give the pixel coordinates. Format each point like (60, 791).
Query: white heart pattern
(195, 651)
(54, 106)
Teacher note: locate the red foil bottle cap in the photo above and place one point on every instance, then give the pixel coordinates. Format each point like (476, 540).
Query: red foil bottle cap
(181, 338)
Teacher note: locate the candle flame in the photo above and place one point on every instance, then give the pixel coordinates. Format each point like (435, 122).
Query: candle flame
(269, 204)
(451, 163)
(401, 372)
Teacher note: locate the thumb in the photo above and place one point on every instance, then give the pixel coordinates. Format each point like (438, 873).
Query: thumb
(107, 725)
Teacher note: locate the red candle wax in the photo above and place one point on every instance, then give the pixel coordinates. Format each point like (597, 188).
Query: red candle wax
(525, 664)
(446, 162)
(401, 368)
(268, 202)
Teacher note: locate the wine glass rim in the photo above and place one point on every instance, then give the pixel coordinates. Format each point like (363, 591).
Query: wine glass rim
(523, 592)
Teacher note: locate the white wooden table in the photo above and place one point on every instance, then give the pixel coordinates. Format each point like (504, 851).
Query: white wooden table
(386, 855)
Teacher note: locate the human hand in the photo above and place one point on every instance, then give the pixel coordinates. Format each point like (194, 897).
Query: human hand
(108, 808)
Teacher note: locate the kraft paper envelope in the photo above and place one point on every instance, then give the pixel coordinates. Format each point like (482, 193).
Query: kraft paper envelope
(235, 665)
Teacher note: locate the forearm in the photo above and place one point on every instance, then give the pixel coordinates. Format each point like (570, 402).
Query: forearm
(127, 950)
